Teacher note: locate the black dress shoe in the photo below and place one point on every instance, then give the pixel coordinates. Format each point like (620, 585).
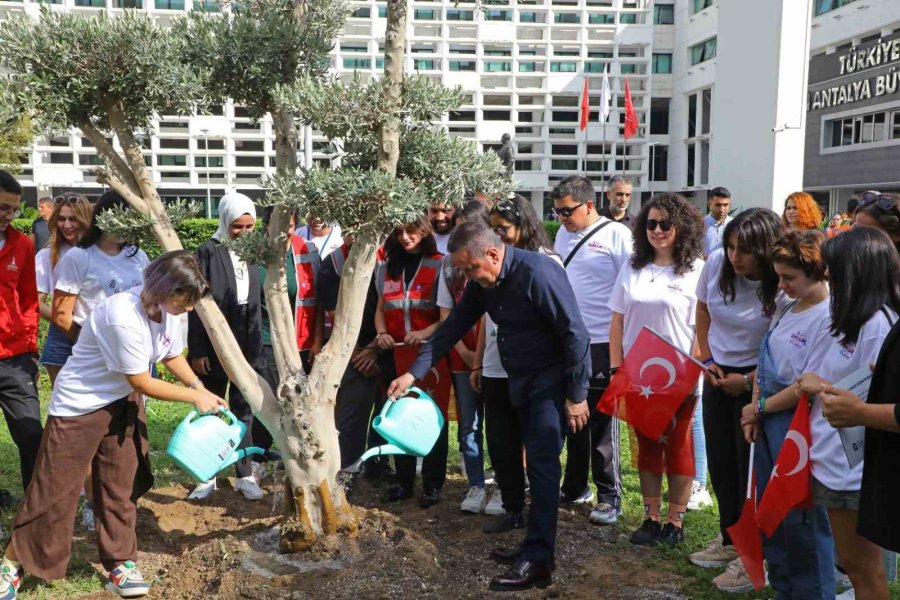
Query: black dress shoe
(522, 576)
(648, 533)
(506, 555)
(671, 535)
(398, 492)
(430, 498)
(504, 523)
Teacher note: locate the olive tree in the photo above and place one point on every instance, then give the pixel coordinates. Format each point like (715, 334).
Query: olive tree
(112, 76)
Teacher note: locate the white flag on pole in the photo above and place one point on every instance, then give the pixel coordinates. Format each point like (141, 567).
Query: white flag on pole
(605, 98)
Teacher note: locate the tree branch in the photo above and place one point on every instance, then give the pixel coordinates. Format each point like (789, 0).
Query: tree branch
(105, 177)
(115, 162)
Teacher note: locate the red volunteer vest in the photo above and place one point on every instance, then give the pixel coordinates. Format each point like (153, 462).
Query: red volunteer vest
(306, 264)
(413, 308)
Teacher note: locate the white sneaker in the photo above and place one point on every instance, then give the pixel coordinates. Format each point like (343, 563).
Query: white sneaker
(735, 579)
(700, 497)
(495, 506)
(259, 471)
(848, 594)
(474, 501)
(462, 465)
(203, 490)
(249, 488)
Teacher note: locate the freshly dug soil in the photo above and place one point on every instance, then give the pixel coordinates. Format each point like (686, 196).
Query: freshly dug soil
(224, 547)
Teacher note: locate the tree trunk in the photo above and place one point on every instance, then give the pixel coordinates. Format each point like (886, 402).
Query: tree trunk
(394, 56)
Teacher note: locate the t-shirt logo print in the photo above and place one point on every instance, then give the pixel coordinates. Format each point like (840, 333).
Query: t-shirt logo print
(12, 266)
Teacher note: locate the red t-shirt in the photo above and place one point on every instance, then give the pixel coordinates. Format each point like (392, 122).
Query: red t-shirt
(18, 296)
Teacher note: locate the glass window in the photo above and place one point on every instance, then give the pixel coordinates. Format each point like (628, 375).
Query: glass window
(498, 52)
(379, 62)
(628, 69)
(169, 4)
(663, 14)
(100, 3)
(662, 62)
(690, 164)
(701, 4)
(423, 64)
(527, 67)
(599, 54)
(564, 164)
(567, 18)
(527, 17)
(659, 116)
(207, 5)
(462, 65)
(824, 6)
(423, 14)
(496, 115)
(692, 115)
(382, 12)
(498, 15)
(171, 160)
(659, 163)
(563, 67)
(497, 67)
(594, 67)
(459, 15)
(895, 125)
(357, 63)
(602, 19)
(707, 112)
(704, 163)
(361, 49)
(628, 18)
(703, 51)
(362, 13)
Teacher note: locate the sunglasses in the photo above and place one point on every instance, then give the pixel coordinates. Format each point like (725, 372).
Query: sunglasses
(507, 206)
(665, 225)
(876, 198)
(568, 211)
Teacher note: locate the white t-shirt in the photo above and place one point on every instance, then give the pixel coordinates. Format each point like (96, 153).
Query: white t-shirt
(657, 298)
(118, 339)
(712, 234)
(833, 361)
(593, 271)
(46, 275)
(444, 295)
(327, 243)
(791, 341)
(442, 240)
(241, 278)
(94, 275)
(737, 328)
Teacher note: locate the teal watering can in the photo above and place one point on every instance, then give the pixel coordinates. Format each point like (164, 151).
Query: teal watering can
(410, 424)
(203, 445)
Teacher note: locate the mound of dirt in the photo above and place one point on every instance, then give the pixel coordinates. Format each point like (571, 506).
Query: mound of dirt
(226, 547)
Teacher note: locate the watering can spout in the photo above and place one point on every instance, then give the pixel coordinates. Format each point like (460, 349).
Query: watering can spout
(241, 454)
(371, 452)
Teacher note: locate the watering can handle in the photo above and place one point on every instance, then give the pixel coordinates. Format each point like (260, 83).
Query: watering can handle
(194, 414)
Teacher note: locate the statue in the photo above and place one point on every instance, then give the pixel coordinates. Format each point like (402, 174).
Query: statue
(506, 154)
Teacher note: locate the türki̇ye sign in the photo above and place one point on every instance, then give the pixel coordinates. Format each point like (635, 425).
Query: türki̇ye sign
(858, 60)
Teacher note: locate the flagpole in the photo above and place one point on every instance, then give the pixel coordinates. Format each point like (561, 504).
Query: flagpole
(750, 470)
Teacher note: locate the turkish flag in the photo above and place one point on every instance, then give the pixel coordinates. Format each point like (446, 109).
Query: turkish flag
(585, 106)
(789, 486)
(746, 535)
(652, 382)
(631, 121)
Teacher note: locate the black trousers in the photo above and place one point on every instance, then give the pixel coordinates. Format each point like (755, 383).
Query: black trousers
(256, 434)
(20, 405)
(726, 450)
(356, 398)
(504, 441)
(434, 465)
(596, 447)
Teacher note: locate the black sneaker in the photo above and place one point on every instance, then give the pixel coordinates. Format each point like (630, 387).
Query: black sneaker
(671, 535)
(648, 534)
(504, 523)
(397, 492)
(430, 498)
(7, 500)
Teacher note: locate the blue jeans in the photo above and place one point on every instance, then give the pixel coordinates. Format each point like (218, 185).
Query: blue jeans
(699, 445)
(470, 414)
(800, 553)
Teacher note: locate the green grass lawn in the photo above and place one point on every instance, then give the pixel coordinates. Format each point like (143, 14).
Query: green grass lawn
(163, 417)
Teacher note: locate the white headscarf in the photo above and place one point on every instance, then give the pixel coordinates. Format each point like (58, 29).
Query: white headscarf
(231, 207)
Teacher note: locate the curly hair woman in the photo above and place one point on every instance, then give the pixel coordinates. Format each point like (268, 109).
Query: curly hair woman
(658, 289)
(801, 211)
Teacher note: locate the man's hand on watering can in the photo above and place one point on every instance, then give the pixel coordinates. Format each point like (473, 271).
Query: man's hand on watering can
(576, 415)
(206, 402)
(399, 386)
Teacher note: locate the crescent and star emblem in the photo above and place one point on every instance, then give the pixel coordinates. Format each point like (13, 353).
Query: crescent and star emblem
(802, 448)
(646, 390)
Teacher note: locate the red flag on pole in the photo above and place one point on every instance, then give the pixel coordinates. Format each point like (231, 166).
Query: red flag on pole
(631, 122)
(652, 382)
(789, 486)
(585, 106)
(746, 535)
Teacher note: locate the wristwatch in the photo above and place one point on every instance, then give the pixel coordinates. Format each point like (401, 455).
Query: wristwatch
(748, 385)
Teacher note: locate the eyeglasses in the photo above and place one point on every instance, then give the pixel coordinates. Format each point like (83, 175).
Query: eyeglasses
(665, 225)
(507, 206)
(878, 199)
(71, 199)
(567, 211)
(6, 209)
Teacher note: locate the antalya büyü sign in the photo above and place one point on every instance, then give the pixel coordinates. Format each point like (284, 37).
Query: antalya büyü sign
(855, 60)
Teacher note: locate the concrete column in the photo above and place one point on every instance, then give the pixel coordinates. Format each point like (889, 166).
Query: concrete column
(759, 100)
